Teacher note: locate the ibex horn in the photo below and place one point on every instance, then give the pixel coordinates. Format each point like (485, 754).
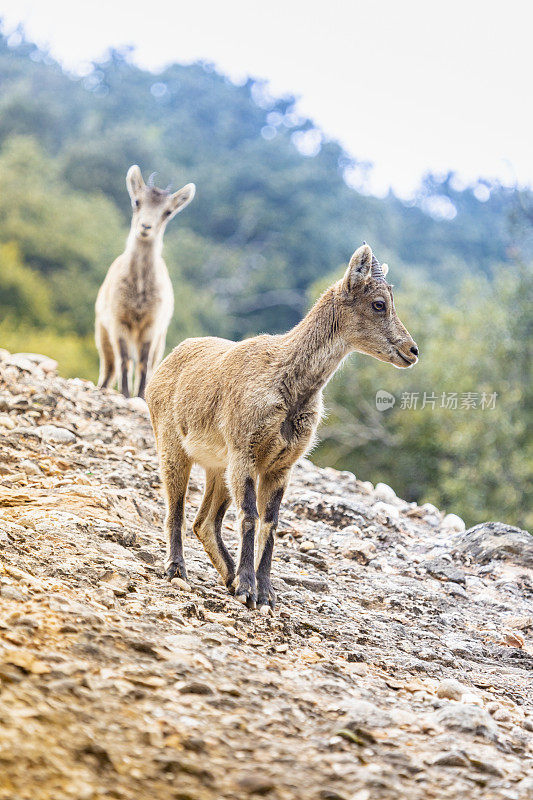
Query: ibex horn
(151, 179)
(377, 272)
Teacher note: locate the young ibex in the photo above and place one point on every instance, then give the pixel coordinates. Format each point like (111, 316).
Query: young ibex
(247, 411)
(135, 302)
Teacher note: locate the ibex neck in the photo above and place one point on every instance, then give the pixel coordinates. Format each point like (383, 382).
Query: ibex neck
(314, 348)
(149, 249)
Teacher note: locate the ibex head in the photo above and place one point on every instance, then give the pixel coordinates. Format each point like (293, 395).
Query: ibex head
(366, 316)
(153, 207)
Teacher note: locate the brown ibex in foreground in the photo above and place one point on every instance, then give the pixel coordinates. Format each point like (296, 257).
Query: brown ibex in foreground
(135, 302)
(247, 411)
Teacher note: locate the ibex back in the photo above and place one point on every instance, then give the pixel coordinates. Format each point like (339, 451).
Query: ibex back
(247, 411)
(135, 302)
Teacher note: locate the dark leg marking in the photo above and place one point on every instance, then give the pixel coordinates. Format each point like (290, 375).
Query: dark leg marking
(176, 562)
(105, 382)
(124, 358)
(266, 595)
(221, 545)
(245, 584)
(145, 350)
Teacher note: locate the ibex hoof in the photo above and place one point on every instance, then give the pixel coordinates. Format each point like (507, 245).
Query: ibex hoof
(266, 599)
(176, 570)
(245, 591)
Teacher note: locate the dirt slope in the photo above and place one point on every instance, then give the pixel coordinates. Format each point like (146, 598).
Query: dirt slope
(398, 665)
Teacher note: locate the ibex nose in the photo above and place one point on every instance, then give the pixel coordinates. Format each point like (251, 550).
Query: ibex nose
(146, 227)
(414, 350)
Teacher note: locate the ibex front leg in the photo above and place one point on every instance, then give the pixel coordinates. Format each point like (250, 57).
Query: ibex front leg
(124, 359)
(175, 471)
(144, 353)
(271, 489)
(243, 490)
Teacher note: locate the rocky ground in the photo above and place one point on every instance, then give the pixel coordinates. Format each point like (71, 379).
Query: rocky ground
(398, 664)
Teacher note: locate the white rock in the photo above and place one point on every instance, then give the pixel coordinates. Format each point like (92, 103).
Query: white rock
(366, 486)
(451, 689)
(45, 363)
(21, 362)
(7, 422)
(452, 522)
(30, 468)
(525, 788)
(385, 493)
(472, 699)
(186, 587)
(429, 508)
(50, 433)
(387, 509)
(463, 717)
(138, 404)
(361, 551)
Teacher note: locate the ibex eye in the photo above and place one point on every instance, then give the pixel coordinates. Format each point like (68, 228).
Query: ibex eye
(137, 204)
(167, 213)
(378, 305)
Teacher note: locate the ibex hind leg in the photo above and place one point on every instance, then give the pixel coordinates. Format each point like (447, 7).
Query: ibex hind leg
(107, 357)
(208, 524)
(175, 471)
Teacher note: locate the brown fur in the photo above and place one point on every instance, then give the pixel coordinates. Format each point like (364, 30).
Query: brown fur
(135, 302)
(248, 411)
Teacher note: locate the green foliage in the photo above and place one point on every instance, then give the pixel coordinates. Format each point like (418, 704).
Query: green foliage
(267, 224)
(477, 462)
(24, 294)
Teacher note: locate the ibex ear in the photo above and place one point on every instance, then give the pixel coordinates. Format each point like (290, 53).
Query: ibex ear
(384, 269)
(182, 198)
(134, 182)
(359, 267)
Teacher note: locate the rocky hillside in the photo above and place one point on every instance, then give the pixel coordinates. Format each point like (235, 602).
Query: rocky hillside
(398, 664)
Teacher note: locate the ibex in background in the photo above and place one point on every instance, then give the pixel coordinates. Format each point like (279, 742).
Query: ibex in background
(248, 411)
(135, 302)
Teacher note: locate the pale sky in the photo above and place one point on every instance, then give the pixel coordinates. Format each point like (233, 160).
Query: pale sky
(410, 85)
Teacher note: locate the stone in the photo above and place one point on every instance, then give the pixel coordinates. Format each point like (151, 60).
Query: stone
(429, 508)
(387, 509)
(138, 404)
(525, 788)
(30, 467)
(451, 689)
(196, 687)
(453, 758)
(365, 714)
(48, 365)
(55, 435)
(496, 541)
(385, 493)
(362, 551)
(452, 522)
(502, 715)
(467, 718)
(181, 584)
(472, 699)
